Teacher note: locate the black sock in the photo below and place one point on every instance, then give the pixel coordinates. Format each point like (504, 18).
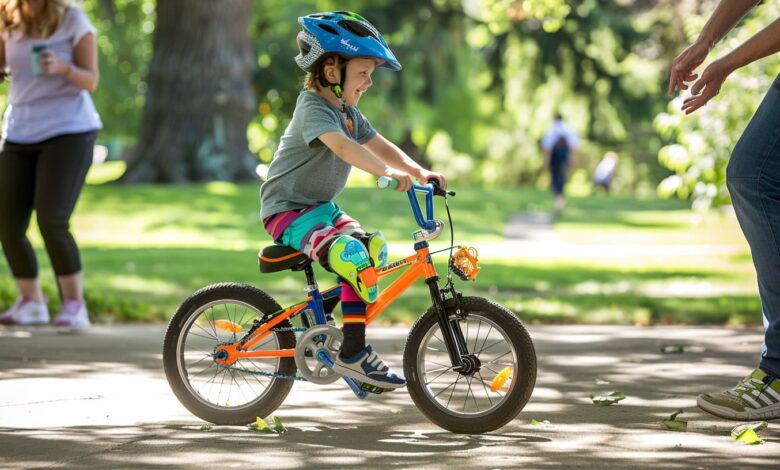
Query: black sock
(354, 339)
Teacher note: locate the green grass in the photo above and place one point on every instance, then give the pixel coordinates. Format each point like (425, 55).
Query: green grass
(146, 248)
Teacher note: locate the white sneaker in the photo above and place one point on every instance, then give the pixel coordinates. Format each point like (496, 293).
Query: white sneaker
(26, 312)
(73, 314)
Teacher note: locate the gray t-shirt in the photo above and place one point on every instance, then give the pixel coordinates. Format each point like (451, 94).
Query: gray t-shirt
(47, 105)
(304, 171)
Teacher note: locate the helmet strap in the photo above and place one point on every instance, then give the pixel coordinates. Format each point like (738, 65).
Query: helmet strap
(336, 88)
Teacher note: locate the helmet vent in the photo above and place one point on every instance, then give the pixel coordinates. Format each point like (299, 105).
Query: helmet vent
(358, 29)
(328, 28)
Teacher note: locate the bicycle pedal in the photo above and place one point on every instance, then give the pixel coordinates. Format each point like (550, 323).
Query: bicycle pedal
(371, 388)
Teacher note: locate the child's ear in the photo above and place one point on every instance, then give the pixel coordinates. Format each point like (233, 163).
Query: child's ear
(331, 73)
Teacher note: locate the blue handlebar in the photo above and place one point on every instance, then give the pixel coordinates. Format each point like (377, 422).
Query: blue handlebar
(428, 189)
(427, 223)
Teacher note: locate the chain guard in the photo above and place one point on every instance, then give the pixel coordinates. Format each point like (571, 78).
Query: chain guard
(314, 339)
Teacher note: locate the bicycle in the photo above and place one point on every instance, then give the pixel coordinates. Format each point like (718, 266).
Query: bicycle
(231, 353)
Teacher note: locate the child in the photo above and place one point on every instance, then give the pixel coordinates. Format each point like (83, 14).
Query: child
(605, 171)
(326, 137)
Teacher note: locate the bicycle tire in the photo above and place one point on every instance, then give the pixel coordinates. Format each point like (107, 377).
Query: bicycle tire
(428, 391)
(191, 327)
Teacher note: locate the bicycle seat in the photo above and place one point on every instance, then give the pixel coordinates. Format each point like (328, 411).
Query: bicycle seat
(276, 258)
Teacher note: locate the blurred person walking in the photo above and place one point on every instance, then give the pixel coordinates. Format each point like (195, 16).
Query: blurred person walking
(559, 144)
(49, 131)
(753, 180)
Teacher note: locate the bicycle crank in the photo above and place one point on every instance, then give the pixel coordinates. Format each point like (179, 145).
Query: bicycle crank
(320, 342)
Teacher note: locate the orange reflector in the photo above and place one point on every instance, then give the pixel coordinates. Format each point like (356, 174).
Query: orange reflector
(228, 325)
(500, 379)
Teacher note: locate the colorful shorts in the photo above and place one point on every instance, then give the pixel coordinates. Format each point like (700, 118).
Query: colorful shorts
(312, 229)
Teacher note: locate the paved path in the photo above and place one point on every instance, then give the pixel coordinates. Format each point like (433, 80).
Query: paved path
(99, 400)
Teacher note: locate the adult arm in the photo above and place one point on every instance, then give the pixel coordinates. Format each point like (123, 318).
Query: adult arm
(393, 156)
(357, 156)
(764, 43)
(83, 72)
(723, 19)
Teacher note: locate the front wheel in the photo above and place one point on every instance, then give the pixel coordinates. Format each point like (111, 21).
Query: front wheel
(220, 315)
(492, 393)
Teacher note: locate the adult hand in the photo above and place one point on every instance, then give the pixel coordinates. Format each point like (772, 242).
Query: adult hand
(404, 180)
(425, 176)
(51, 65)
(683, 66)
(707, 86)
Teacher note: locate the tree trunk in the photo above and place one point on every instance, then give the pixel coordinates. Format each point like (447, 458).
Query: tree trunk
(199, 97)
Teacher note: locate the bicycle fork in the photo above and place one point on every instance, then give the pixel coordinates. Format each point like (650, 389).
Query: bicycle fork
(461, 360)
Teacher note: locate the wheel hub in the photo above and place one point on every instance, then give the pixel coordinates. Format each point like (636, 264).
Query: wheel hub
(470, 365)
(225, 354)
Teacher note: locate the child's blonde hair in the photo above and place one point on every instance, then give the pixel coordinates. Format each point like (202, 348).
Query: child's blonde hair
(315, 77)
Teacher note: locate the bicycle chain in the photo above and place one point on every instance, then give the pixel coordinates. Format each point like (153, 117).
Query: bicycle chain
(264, 374)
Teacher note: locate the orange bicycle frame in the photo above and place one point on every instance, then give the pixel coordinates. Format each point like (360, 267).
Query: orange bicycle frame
(417, 266)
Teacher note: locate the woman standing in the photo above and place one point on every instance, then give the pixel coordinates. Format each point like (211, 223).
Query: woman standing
(49, 131)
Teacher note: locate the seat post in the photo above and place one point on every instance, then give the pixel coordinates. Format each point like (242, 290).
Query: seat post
(311, 281)
(316, 297)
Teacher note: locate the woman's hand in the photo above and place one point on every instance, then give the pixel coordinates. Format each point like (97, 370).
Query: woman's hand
(51, 65)
(424, 176)
(707, 86)
(404, 180)
(684, 64)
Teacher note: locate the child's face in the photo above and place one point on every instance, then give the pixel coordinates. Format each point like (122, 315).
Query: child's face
(359, 72)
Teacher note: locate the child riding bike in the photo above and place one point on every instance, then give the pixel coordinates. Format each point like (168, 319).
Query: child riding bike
(326, 137)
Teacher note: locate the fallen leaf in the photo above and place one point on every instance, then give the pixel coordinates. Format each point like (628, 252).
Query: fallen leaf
(206, 427)
(260, 426)
(749, 437)
(608, 399)
(536, 422)
(674, 415)
(674, 425)
(278, 426)
(748, 432)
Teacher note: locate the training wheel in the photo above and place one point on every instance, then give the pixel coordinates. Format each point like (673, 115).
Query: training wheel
(327, 338)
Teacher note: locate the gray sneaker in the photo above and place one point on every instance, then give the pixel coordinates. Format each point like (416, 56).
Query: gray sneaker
(755, 397)
(366, 367)
(26, 312)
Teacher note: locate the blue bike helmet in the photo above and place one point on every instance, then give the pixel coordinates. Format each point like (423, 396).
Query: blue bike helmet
(344, 33)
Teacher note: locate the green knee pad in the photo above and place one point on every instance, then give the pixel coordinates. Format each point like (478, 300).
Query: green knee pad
(377, 249)
(349, 259)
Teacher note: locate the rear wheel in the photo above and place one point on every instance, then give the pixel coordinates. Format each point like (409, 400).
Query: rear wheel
(503, 357)
(226, 394)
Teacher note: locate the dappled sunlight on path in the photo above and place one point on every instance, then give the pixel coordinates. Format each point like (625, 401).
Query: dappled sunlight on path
(100, 399)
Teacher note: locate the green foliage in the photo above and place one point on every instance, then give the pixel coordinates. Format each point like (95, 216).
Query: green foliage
(700, 144)
(481, 79)
(125, 29)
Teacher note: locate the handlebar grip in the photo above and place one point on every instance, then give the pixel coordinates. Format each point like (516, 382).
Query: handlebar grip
(386, 182)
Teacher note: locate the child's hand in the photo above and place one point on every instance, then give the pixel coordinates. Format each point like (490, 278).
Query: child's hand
(404, 180)
(426, 176)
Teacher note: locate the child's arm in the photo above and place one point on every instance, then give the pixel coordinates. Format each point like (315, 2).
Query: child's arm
(389, 153)
(354, 154)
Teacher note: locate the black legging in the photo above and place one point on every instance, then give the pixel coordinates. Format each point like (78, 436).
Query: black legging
(46, 177)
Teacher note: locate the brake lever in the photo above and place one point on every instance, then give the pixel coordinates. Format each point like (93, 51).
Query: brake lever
(437, 191)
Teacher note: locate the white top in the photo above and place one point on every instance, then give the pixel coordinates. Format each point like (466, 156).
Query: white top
(48, 105)
(557, 130)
